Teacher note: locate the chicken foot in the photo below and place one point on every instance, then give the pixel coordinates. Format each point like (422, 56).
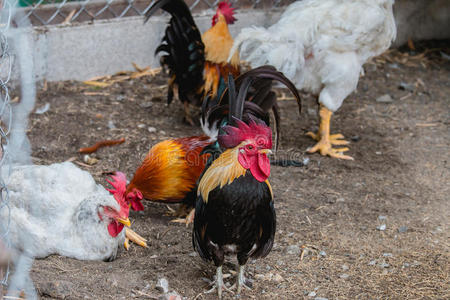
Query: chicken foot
(325, 140)
(218, 284)
(241, 280)
(130, 235)
(188, 220)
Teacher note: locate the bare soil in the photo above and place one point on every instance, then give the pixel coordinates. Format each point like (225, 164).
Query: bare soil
(327, 242)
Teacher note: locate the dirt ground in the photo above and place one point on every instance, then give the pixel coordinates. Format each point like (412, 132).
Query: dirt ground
(376, 227)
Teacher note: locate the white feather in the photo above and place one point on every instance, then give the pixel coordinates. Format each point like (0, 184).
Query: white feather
(321, 45)
(54, 210)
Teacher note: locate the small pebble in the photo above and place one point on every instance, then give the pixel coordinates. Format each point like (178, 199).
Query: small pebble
(406, 87)
(365, 87)
(193, 254)
(345, 267)
(111, 125)
(293, 250)
(312, 112)
(120, 98)
(162, 285)
(146, 104)
(344, 276)
(151, 129)
(312, 294)
(90, 160)
(384, 265)
(393, 66)
(372, 262)
(387, 254)
(277, 278)
(381, 218)
(42, 109)
(320, 298)
(162, 132)
(141, 126)
(385, 99)
(382, 227)
(322, 253)
(402, 229)
(355, 138)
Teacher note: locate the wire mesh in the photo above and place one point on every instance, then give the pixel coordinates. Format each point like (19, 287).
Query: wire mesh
(52, 12)
(5, 123)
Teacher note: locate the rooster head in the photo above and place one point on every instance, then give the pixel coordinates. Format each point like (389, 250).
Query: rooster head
(254, 141)
(119, 190)
(226, 11)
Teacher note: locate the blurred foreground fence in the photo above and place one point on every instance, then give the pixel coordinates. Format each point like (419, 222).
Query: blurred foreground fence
(5, 123)
(53, 12)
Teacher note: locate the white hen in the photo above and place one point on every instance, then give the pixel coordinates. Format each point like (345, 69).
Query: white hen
(321, 46)
(59, 209)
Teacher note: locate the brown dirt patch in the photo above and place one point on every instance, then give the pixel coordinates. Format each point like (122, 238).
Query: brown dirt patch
(400, 178)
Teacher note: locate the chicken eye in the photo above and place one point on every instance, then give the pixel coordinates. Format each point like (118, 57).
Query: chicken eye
(250, 147)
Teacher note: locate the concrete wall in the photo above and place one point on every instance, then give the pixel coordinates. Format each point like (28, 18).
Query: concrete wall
(82, 51)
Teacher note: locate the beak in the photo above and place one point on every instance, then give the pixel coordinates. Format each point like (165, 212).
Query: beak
(265, 151)
(125, 222)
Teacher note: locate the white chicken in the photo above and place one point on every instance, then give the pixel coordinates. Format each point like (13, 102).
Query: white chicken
(59, 209)
(321, 46)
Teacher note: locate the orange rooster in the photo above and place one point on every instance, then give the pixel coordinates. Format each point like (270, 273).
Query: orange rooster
(197, 63)
(170, 170)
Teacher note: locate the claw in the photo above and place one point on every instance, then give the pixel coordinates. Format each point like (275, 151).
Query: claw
(130, 235)
(218, 284)
(188, 220)
(325, 140)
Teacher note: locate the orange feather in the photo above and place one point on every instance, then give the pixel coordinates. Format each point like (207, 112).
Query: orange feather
(218, 43)
(170, 169)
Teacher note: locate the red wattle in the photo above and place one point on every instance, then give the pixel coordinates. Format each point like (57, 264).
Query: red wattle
(261, 169)
(114, 228)
(137, 205)
(244, 161)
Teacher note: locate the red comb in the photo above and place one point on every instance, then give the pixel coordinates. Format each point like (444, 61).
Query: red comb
(255, 130)
(119, 183)
(227, 11)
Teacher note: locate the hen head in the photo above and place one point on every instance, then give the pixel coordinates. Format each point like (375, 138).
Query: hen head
(226, 11)
(254, 142)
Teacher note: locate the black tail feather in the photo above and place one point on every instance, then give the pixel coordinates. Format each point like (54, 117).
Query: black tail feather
(182, 48)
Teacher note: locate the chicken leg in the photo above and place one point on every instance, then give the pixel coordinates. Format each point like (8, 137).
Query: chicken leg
(218, 284)
(325, 140)
(241, 280)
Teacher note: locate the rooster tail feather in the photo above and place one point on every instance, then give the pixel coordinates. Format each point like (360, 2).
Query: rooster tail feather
(182, 48)
(174, 7)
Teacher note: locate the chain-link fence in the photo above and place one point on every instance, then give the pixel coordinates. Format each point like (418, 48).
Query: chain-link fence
(14, 52)
(5, 123)
(52, 12)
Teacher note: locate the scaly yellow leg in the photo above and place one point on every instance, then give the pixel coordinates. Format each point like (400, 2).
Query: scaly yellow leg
(325, 140)
(130, 235)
